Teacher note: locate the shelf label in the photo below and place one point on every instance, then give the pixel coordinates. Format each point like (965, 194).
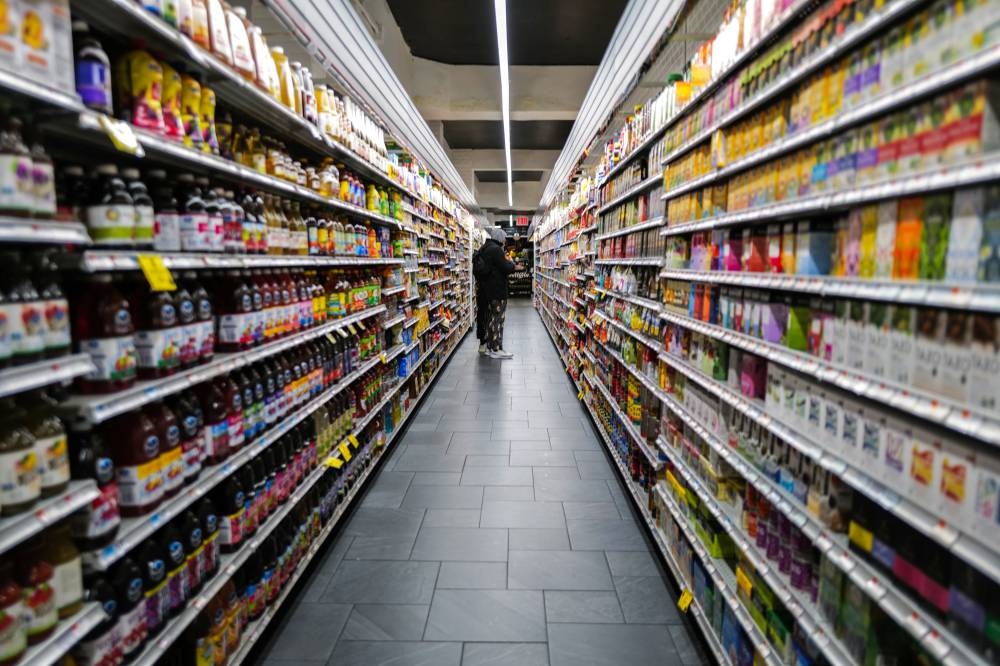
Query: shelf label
(353, 440)
(335, 463)
(121, 135)
(383, 357)
(342, 333)
(345, 450)
(350, 327)
(156, 272)
(361, 325)
(684, 602)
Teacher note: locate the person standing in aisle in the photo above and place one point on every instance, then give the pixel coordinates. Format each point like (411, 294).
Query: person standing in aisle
(479, 270)
(493, 290)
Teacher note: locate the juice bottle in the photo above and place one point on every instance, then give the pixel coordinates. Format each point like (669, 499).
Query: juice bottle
(257, 383)
(265, 74)
(20, 482)
(296, 81)
(93, 70)
(24, 312)
(187, 326)
(234, 408)
(127, 581)
(200, 32)
(50, 442)
(96, 525)
(157, 336)
(216, 429)
(102, 326)
(194, 131)
(206, 110)
(216, 227)
(142, 234)
(34, 575)
(230, 502)
(176, 564)
(242, 380)
(139, 79)
(308, 92)
(67, 577)
(173, 103)
(166, 219)
(110, 212)
(17, 196)
(243, 60)
(72, 192)
(286, 86)
(257, 300)
(184, 11)
(218, 31)
(156, 595)
(372, 243)
(301, 231)
(208, 517)
(191, 432)
(224, 132)
(194, 230)
(135, 448)
(231, 603)
(234, 222)
(205, 339)
(168, 431)
(193, 540)
(100, 645)
(42, 180)
(236, 314)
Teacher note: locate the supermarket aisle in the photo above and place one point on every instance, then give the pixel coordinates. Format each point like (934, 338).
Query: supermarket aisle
(496, 534)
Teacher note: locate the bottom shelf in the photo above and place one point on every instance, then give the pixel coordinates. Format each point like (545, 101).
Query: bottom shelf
(255, 630)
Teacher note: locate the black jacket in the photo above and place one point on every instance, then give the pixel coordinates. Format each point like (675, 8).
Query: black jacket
(494, 286)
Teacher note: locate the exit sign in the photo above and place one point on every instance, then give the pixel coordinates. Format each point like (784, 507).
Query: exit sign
(522, 221)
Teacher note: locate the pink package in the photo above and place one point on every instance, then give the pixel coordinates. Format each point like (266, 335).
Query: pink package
(753, 376)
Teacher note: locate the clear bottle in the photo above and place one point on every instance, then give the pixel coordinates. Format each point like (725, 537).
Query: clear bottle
(110, 210)
(145, 216)
(51, 447)
(166, 219)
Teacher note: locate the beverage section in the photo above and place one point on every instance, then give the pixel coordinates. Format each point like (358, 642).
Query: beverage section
(224, 292)
(777, 295)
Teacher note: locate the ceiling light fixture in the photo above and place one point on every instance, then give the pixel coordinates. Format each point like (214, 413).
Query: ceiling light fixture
(500, 10)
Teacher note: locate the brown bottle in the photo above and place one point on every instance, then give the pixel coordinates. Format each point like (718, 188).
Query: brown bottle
(135, 448)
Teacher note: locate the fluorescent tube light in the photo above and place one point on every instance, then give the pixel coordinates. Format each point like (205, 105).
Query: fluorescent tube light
(500, 9)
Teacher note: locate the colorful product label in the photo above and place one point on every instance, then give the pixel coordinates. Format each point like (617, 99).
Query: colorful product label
(114, 359)
(17, 189)
(111, 224)
(139, 485)
(19, 478)
(167, 232)
(159, 350)
(53, 460)
(100, 517)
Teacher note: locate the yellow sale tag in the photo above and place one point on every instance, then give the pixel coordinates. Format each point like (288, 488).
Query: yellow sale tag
(350, 327)
(353, 440)
(156, 272)
(685, 600)
(121, 135)
(385, 359)
(333, 462)
(579, 396)
(345, 450)
(342, 333)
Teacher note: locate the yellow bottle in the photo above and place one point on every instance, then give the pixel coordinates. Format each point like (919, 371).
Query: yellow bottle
(286, 82)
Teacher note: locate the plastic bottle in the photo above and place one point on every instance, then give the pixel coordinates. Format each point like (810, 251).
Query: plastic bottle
(208, 517)
(205, 341)
(72, 191)
(152, 561)
(230, 502)
(173, 103)
(51, 448)
(243, 61)
(220, 46)
(194, 131)
(23, 311)
(286, 87)
(206, 110)
(135, 448)
(100, 646)
(93, 70)
(166, 220)
(194, 229)
(193, 540)
(96, 525)
(234, 304)
(171, 458)
(216, 227)
(145, 216)
(127, 581)
(234, 409)
(102, 327)
(265, 74)
(192, 437)
(138, 86)
(216, 429)
(20, 482)
(176, 580)
(16, 187)
(242, 380)
(187, 326)
(158, 335)
(234, 222)
(67, 578)
(34, 575)
(110, 210)
(42, 180)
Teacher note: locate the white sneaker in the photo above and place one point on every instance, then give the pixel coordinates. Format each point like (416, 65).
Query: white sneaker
(501, 354)
(483, 349)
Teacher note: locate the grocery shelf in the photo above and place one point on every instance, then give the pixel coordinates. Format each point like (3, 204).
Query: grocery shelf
(652, 455)
(98, 408)
(634, 261)
(877, 22)
(438, 281)
(39, 374)
(647, 303)
(93, 261)
(917, 516)
(979, 170)
(642, 226)
(643, 146)
(134, 531)
(633, 191)
(12, 82)
(45, 513)
(436, 303)
(389, 323)
(410, 322)
(38, 231)
(972, 296)
(556, 280)
(393, 290)
(66, 634)
(961, 419)
(650, 342)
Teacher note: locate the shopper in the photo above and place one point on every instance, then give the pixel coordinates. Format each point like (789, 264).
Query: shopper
(479, 270)
(493, 290)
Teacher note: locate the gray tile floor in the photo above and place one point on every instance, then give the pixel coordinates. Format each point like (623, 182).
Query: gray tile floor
(496, 534)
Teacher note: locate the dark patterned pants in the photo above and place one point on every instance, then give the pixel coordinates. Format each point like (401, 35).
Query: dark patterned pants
(494, 324)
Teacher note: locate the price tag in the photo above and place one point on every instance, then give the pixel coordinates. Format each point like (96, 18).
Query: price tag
(350, 327)
(353, 440)
(361, 325)
(333, 462)
(121, 135)
(156, 272)
(684, 602)
(384, 358)
(333, 340)
(345, 450)
(579, 396)
(342, 333)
